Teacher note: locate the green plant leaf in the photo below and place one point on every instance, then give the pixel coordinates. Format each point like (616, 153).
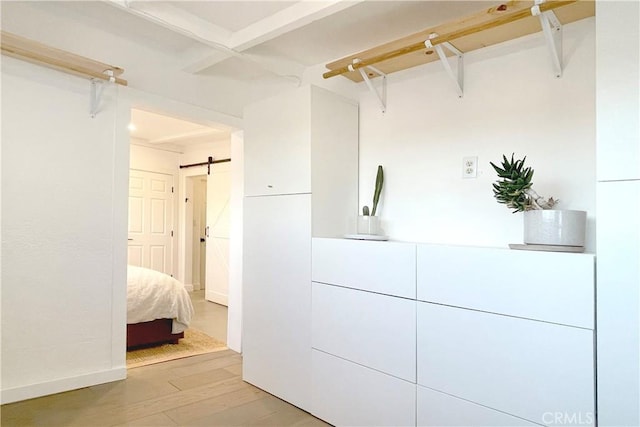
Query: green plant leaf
(378, 189)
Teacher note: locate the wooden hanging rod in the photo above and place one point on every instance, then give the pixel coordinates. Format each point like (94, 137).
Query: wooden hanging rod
(41, 54)
(524, 11)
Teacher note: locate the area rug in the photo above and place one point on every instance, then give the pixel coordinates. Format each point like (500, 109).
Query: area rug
(195, 342)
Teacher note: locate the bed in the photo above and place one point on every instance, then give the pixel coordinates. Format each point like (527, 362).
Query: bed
(159, 308)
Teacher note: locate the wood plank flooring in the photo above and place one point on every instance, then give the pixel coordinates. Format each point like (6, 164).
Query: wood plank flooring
(209, 317)
(204, 390)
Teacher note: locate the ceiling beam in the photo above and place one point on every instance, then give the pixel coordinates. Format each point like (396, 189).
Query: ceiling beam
(289, 19)
(228, 44)
(282, 22)
(205, 60)
(178, 21)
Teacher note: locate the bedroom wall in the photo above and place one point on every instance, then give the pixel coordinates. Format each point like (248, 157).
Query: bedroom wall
(153, 159)
(234, 314)
(64, 216)
(512, 103)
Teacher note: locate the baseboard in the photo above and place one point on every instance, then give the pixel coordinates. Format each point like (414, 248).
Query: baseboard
(189, 287)
(58, 386)
(217, 297)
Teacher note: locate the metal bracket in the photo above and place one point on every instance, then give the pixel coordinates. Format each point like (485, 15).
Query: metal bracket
(97, 88)
(382, 97)
(457, 79)
(552, 29)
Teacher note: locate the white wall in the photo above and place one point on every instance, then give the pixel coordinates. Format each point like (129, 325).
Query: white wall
(234, 315)
(152, 159)
(512, 103)
(220, 149)
(64, 212)
(618, 148)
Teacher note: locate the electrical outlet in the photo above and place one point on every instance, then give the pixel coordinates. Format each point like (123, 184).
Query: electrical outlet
(470, 167)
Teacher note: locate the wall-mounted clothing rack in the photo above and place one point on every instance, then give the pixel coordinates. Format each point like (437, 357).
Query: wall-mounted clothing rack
(505, 21)
(41, 54)
(208, 164)
(38, 53)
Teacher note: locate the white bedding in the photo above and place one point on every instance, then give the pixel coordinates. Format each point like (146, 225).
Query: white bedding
(153, 295)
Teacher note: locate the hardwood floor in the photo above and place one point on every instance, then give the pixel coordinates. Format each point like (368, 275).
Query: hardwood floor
(204, 390)
(209, 317)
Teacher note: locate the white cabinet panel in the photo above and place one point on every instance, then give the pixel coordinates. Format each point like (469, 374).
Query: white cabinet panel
(618, 238)
(437, 409)
(383, 267)
(373, 330)
(549, 286)
(617, 107)
(347, 394)
(277, 150)
(277, 296)
(522, 367)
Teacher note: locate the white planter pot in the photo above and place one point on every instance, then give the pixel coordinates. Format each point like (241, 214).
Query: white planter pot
(555, 227)
(368, 225)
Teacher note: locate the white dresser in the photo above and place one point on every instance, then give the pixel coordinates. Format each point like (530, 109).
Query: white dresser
(363, 332)
(430, 335)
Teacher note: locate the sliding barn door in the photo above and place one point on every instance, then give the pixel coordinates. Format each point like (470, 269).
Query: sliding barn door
(151, 220)
(218, 197)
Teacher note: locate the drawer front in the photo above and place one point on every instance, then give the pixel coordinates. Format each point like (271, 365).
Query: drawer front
(522, 367)
(374, 330)
(347, 394)
(437, 409)
(549, 286)
(383, 267)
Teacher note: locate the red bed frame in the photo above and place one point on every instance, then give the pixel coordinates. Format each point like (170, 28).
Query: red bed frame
(147, 334)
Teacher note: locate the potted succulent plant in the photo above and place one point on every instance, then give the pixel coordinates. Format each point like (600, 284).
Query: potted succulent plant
(543, 225)
(368, 223)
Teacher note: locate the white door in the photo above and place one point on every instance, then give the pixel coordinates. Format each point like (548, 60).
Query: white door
(151, 220)
(217, 233)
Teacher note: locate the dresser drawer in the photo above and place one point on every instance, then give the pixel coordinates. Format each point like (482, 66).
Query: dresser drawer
(549, 286)
(347, 394)
(374, 330)
(522, 367)
(437, 409)
(382, 267)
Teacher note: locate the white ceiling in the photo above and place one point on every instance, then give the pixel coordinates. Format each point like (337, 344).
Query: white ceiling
(235, 49)
(233, 15)
(170, 132)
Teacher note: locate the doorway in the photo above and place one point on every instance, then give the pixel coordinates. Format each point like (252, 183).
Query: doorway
(207, 231)
(158, 146)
